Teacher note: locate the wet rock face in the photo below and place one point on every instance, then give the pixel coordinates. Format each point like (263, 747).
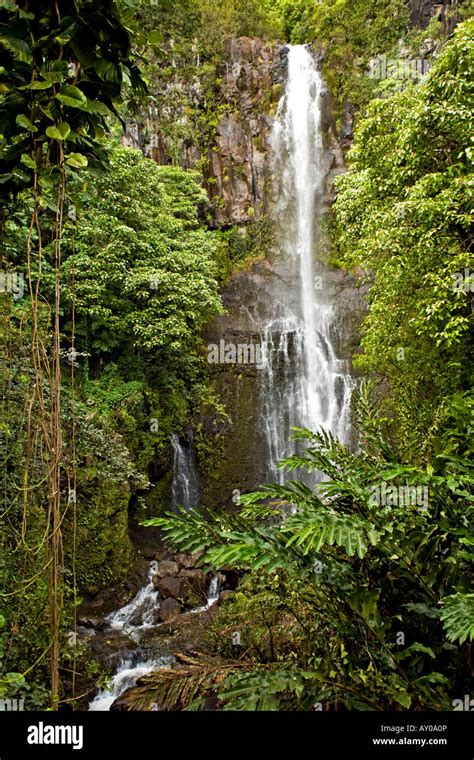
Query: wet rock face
(238, 174)
(177, 588)
(165, 568)
(242, 183)
(169, 609)
(247, 87)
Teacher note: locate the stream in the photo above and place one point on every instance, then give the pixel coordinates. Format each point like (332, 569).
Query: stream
(133, 619)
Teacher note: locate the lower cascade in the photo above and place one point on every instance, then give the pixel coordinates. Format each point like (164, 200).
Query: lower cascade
(126, 676)
(140, 613)
(133, 620)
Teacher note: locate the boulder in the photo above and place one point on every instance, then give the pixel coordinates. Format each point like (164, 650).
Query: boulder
(185, 560)
(197, 579)
(169, 609)
(177, 588)
(167, 567)
(97, 623)
(161, 554)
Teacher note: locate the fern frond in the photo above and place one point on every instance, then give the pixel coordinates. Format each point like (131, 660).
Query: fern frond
(312, 530)
(458, 617)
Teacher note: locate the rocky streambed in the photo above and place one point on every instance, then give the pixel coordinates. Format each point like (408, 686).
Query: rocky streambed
(167, 611)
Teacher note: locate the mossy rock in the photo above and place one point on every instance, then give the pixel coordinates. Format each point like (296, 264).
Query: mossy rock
(104, 549)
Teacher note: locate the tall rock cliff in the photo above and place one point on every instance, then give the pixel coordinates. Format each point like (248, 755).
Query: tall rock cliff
(219, 120)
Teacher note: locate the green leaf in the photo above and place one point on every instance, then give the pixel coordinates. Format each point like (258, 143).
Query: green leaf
(66, 34)
(364, 603)
(39, 85)
(55, 71)
(416, 647)
(69, 95)
(15, 678)
(403, 699)
(107, 70)
(17, 46)
(23, 121)
(458, 617)
(60, 132)
(27, 161)
(77, 160)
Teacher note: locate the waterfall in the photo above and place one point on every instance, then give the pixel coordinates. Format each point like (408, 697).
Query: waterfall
(129, 670)
(212, 594)
(141, 612)
(185, 487)
(213, 590)
(304, 384)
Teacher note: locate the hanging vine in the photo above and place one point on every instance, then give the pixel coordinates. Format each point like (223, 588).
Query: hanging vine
(64, 67)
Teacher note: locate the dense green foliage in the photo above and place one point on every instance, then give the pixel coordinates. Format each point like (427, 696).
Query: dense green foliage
(144, 272)
(404, 217)
(138, 270)
(349, 33)
(137, 282)
(62, 68)
(345, 601)
(61, 76)
(346, 594)
(207, 23)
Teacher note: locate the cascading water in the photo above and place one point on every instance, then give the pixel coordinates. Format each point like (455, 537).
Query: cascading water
(133, 620)
(303, 382)
(185, 487)
(213, 591)
(141, 612)
(130, 669)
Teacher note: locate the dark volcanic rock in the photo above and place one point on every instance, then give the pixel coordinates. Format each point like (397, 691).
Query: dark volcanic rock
(177, 588)
(249, 85)
(99, 624)
(186, 560)
(169, 609)
(422, 11)
(166, 568)
(197, 580)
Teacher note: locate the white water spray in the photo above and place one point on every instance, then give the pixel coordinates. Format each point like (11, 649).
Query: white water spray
(133, 619)
(126, 676)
